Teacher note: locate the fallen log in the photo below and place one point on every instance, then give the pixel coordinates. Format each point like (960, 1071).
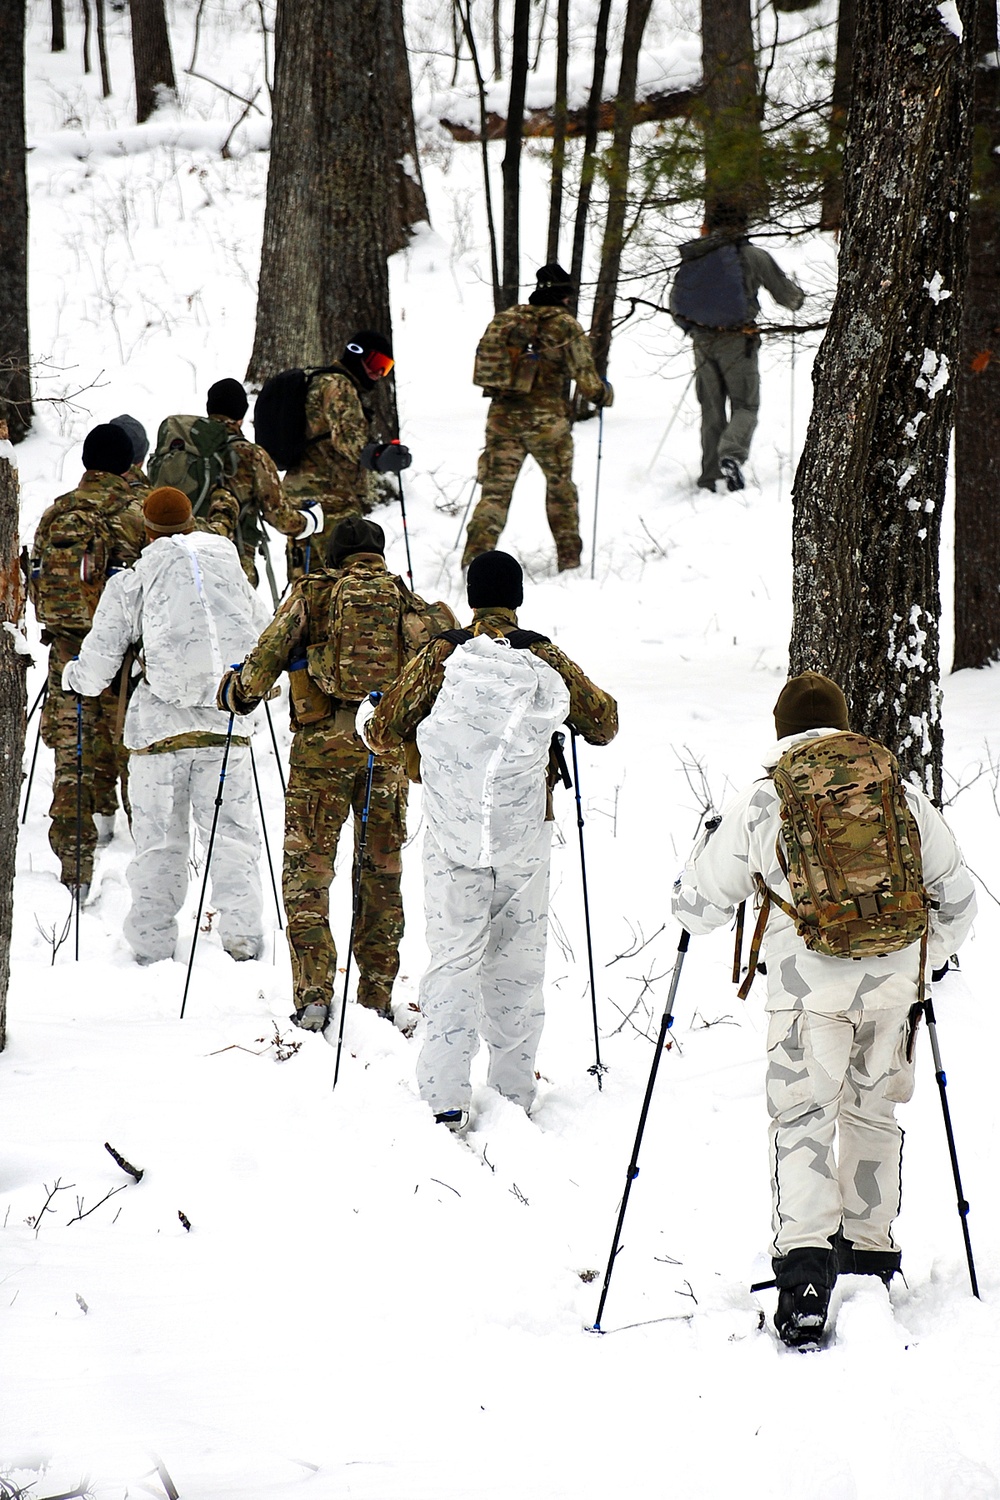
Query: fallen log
(540, 122)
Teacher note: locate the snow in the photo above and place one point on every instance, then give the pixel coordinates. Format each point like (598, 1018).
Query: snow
(949, 13)
(363, 1306)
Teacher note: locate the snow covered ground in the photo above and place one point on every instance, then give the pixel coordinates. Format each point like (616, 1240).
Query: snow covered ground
(363, 1306)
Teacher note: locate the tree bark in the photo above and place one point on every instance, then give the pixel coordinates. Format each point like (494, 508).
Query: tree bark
(12, 711)
(58, 27)
(589, 162)
(541, 123)
(102, 49)
(483, 136)
(86, 35)
(870, 484)
(154, 68)
(558, 131)
(832, 200)
(729, 111)
(510, 285)
(636, 17)
(977, 439)
(15, 381)
(408, 203)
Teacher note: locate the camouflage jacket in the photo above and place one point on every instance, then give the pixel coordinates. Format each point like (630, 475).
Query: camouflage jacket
(337, 420)
(251, 492)
(103, 504)
(592, 712)
(564, 353)
(302, 620)
(138, 483)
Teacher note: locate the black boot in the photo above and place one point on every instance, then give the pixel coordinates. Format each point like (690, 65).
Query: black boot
(851, 1261)
(805, 1278)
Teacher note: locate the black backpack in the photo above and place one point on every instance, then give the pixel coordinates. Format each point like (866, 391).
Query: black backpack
(709, 290)
(279, 418)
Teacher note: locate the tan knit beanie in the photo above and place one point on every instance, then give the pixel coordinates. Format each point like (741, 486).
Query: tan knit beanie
(809, 701)
(167, 511)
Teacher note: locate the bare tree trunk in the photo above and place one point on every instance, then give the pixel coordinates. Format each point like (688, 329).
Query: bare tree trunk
(497, 49)
(408, 204)
(58, 27)
(470, 37)
(636, 17)
(588, 164)
(558, 130)
(870, 484)
(12, 709)
(510, 285)
(832, 201)
(86, 35)
(102, 49)
(730, 110)
(154, 68)
(977, 438)
(15, 381)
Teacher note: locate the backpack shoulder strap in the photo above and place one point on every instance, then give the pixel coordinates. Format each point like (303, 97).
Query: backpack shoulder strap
(521, 640)
(456, 637)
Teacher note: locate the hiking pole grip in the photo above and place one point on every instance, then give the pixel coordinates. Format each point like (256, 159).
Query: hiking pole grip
(942, 1083)
(666, 1021)
(208, 856)
(356, 900)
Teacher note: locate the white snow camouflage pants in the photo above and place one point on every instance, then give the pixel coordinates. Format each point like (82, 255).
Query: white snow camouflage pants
(486, 931)
(168, 788)
(840, 1076)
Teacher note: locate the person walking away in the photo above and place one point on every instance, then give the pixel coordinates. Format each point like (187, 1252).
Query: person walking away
(481, 706)
(342, 632)
(342, 451)
(135, 476)
(84, 538)
(190, 604)
(524, 364)
(840, 1033)
(714, 298)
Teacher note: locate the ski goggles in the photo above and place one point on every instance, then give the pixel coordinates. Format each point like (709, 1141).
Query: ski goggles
(375, 364)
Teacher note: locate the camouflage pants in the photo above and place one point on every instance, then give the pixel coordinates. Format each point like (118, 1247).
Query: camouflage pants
(104, 765)
(316, 807)
(725, 366)
(836, 1076)
(512, 433)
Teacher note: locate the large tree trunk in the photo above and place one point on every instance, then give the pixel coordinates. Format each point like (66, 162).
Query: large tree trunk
(870, 484)
(407, 203)
(636, 17)
(15, 385)
(589, 163)
(729, 111)
(12, 706)
(977, 423)
(102, 49)
(154, 68)
(58, 27)
(510, 285)
(832, 201)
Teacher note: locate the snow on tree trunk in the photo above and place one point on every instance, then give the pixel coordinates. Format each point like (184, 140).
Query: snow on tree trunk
(12, 709)
(153, 65)
(870, 484)
(15, 387)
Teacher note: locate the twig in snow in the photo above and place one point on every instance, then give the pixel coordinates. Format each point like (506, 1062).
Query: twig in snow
(79, 1204)
(57, 1187)
(126, 1166)
(165, 1479)
(184, 1219)
(446, 1185)
(231, 92)
(637, 943)
(688, 1293)
(519, 1195)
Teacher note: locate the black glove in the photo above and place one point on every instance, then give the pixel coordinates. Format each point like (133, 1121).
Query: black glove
(937, 974)
(386, 458)
(230, 698)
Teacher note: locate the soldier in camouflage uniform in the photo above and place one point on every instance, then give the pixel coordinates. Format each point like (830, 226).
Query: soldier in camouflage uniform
(81, 540)
(535, 420)
(837, 1045)
(252, 493)
(328, 776)
(486, 919)
(135, 477)
(342, 454)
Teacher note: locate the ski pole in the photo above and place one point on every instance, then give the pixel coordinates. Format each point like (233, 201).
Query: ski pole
(942, 1083)
(633, 1167)
(79, 817)
(269, 570)
(208, 856)
(42, 691)
(465, 514)
(356, 902)
(670, 425)
(267, 846)
(597, 1067)
(597, 489)
(34, 754)
(274, 742)
(406, 530)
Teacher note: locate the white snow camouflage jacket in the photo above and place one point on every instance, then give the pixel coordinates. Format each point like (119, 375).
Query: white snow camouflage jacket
(719, 875)
(483, 752)
(189, 602)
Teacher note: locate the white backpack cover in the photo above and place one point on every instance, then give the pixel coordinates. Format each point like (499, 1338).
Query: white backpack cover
(197, 619)
(484, 748)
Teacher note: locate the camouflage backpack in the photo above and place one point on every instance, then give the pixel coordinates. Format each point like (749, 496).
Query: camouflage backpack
(851, 851)
(365, 649)
(193, 454)
(506, 356)
(69, 568)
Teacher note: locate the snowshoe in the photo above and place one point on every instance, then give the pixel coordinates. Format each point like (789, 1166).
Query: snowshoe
(732, 474)
(312, 1017)
(457, 1120)
(800, 1319)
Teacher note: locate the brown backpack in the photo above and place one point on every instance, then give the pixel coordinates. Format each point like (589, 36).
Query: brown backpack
(506, 356)
(374, 626)
(69, 568)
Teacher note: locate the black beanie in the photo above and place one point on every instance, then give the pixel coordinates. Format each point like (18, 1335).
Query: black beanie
(227, 398)
(107, 448)
(354, 534)
(136, 435)
(366, 341)
(554, 286)
(495, 581)
(809, 701)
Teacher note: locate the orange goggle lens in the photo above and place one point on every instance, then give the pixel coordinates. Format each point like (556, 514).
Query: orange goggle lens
(376, 365)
